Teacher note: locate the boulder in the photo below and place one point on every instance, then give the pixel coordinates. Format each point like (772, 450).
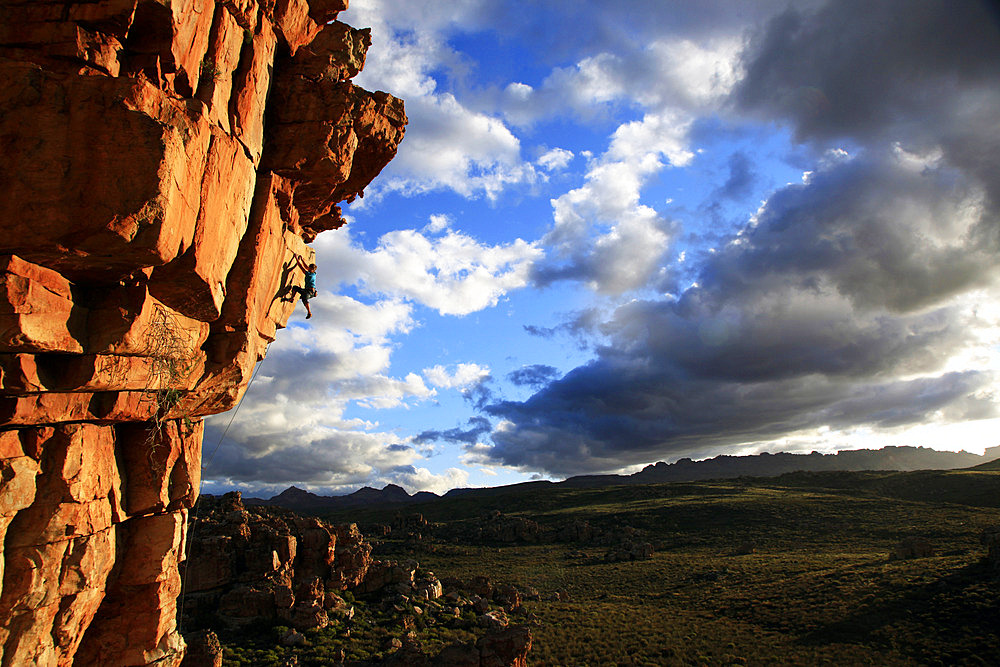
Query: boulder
(577, 531)
(991, 540)
(481, 586)
(203, 649)
(505, 648)
(507, 529)
(37, 310)
(630, 549)
(495, 618)
(911, 547)
(507, 597)
(293, 637)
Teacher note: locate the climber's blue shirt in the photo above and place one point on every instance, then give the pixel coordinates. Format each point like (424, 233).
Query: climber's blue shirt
(310, 280)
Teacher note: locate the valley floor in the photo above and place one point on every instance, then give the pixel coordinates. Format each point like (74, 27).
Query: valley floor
(794, 570)
(758, 574)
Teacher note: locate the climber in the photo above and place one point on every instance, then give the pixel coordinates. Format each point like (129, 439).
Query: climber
(307, 291)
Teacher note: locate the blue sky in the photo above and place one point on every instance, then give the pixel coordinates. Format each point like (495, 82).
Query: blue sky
(622, 233)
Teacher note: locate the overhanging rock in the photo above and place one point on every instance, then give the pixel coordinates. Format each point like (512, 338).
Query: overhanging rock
(155, 199)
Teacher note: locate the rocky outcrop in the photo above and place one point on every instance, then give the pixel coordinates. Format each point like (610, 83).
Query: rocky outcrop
(164, 162)
(254, 566)
(498, 527)
(502, 647)
(255, 563)
(627, 550)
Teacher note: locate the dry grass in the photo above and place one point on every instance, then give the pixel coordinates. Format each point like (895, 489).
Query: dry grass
(819, 588)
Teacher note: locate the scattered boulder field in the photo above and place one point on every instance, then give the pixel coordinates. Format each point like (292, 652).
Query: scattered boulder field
(307, 581)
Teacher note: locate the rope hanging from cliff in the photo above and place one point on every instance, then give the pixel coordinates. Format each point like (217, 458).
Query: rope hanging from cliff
(201, 482)
(235, 411)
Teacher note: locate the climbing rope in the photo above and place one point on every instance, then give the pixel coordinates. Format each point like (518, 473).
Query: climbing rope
(201, 481)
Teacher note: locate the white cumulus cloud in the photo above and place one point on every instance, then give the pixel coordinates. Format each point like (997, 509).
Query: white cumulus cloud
(463, 375)
(451, 273)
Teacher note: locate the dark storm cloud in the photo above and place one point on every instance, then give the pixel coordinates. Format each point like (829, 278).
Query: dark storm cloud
(642, 414)
(856, 67)
(315, 463)
(480, 393)
(478, 427)
(536, 375)
(884, 234)
(578, 326)
(820, 312)
(541, 332)
(926, 74)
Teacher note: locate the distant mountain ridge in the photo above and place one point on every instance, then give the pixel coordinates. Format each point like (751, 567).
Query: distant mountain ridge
(294, 498)
(903, 458)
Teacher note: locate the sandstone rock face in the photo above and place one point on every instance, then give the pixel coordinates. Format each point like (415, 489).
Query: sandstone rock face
(163, 163)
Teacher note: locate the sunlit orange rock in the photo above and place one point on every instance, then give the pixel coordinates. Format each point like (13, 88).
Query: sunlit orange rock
(161, 175)
(37, 309)
(194, 283)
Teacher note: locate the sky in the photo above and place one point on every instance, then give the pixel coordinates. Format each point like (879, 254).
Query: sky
(622, 233)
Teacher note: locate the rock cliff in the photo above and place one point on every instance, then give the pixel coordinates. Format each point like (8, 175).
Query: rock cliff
(164, 162)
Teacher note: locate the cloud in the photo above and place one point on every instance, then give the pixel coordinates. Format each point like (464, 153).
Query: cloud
(340, 462)
(641, 417)
(859, 299)
(667, 76)
(464, 375)
(349, 342)
(421, 479)
(602, 235)
(842, 304)
(741, 177)
(478, 427)
(448, 145)
(438, 223)
(555, 159)
(451, 272)
(463, 141)
(536, 375)
(333, 458)
(597, 26)
(883, 232)
(292, 426)
(923, 75)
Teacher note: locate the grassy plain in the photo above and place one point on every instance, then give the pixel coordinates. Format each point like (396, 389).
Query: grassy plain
(816, 588)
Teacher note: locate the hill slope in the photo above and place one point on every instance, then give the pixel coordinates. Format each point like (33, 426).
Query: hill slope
(685, 470)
